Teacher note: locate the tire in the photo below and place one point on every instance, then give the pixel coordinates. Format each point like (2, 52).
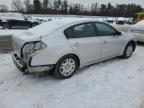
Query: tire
(128, 51)
(5, 26)
(66, 67)
(31, 25)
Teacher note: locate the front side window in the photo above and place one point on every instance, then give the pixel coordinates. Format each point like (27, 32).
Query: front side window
(104, 29)
(83, 30)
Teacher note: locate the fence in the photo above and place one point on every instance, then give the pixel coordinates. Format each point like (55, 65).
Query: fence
(5, 43)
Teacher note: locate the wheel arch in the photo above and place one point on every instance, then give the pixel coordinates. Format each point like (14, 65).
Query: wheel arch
(77, 57)
(133, 43)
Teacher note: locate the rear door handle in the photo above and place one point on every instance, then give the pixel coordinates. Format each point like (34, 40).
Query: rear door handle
(76, 44)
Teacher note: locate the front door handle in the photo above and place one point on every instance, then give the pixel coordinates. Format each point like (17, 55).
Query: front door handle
(76, 44)
(105, 42)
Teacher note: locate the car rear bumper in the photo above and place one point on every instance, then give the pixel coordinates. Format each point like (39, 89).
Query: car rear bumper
(25, 68)
(19, 63)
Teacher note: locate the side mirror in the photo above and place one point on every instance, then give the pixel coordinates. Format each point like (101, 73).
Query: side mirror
(118, 33)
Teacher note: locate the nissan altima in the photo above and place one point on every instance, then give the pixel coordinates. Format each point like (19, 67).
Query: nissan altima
(65, 45)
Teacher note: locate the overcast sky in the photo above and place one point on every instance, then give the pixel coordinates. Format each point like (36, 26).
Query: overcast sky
(88, 2)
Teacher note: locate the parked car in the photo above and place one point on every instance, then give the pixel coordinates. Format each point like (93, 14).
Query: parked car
(138, 31)
(65, 45)
(110, 20)
(9, 20)
(121, 21)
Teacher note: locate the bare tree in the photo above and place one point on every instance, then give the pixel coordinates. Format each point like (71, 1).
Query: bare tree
(17, 6)
(28, 6)
(3, 8)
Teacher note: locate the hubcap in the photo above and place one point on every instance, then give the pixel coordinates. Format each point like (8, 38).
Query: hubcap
(67, 67)
(129, 50)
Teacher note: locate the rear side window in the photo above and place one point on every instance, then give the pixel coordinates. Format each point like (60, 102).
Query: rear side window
(69, 33)
(80, 31)
(83, 30)
(104, 29)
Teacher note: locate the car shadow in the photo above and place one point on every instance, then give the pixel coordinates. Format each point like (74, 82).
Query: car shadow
(45, 76)
(101, 63)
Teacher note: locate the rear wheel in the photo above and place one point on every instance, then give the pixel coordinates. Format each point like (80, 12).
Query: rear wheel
(128, 51)
(66, 67)
(5, 26)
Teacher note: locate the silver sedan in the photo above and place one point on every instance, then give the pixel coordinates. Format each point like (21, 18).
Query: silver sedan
(65, 45)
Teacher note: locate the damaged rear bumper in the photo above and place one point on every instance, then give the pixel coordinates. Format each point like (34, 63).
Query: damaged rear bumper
(26, 68)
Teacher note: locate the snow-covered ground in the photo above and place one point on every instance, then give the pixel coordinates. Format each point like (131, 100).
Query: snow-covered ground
(115, 83)
(9, 31)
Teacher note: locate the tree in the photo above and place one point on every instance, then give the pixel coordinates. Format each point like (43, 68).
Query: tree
(3, 8)
(28, 6)
(94, 9)
(36, 6)
(45, 4)
(57, 6)
(109, 7)
(64, 7)
(17, 6)
(103, 9)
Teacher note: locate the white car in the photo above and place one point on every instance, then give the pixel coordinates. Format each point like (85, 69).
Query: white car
(138, 31)
(65, 45)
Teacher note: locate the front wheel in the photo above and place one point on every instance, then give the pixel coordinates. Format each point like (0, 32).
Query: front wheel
(128, 51)
(66, 67)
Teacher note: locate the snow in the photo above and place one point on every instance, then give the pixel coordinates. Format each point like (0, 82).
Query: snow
(140, 23)
(9, 31)
(115, 83)
(122, 19)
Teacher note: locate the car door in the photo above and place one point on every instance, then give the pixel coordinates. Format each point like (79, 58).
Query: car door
(23, 23)
(84, 42)
(15, 22)
(113, 43)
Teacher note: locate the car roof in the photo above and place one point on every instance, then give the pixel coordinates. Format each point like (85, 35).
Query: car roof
(47, 27)
(11, 15)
